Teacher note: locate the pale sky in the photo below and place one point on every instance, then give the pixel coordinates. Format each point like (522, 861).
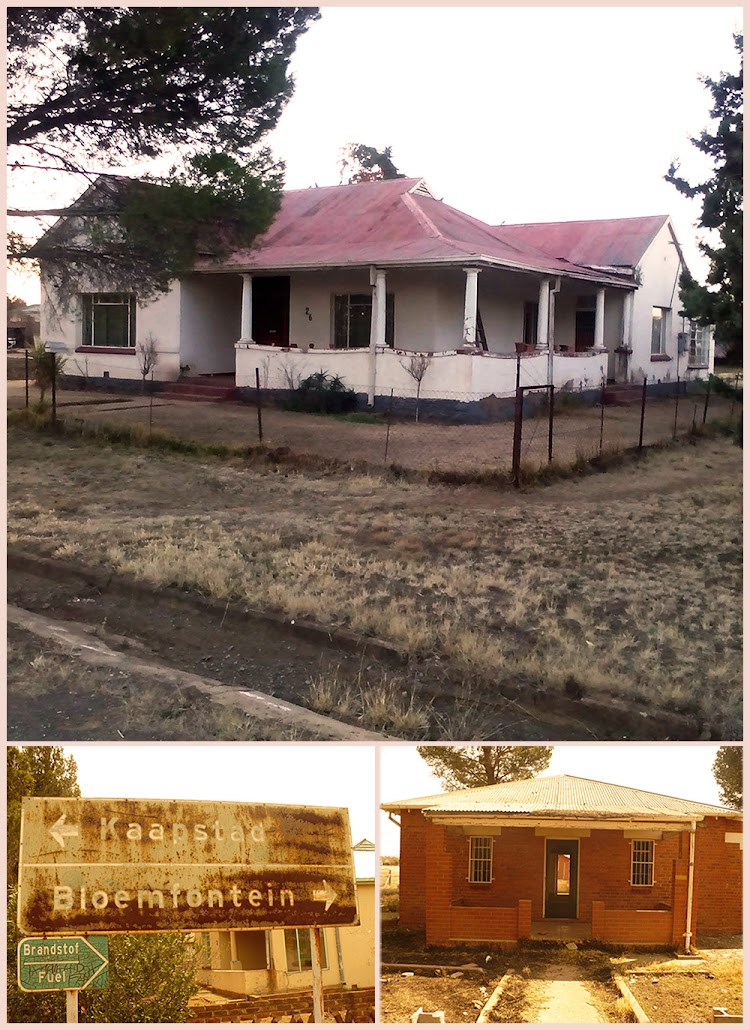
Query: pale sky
(340, 776)
(677, 770)
(511, 114)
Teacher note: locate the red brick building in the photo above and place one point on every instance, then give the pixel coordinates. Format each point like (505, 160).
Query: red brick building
(564, 858)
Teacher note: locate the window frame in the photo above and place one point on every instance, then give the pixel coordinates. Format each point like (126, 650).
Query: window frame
(640, 865)
(299, 967)
(698, 353)
(347, 301)
(477, 862)
(90, 302)
(663, 315)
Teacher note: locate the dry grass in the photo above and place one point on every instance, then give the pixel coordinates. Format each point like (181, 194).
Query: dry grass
(627, 582)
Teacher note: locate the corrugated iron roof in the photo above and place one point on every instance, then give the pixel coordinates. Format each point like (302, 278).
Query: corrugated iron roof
(389, 222)
(560, 795)
(605, 242)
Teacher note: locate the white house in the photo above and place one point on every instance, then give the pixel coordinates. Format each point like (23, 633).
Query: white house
(355, 279)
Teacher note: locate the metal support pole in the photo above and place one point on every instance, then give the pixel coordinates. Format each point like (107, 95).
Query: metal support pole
(151, 404)
(551, 421)
(676, 408)
(517, 430)
(518, 370)
(643, 413)
(388, 427)
(71, 1006)
(26, 370)
(601, 422)
(317, 976)
(53, 374)
(257, 400)
(695, 419)
(705, 403)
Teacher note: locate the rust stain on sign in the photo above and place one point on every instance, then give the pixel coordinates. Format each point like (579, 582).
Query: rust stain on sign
(109, 865)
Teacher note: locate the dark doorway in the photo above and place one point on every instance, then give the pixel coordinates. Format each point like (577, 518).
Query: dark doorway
(585, 322)
(271, 310)
(561, 888)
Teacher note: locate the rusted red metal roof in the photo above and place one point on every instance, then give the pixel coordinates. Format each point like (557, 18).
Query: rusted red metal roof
(564, 795)
(604, 243)
(389, 222)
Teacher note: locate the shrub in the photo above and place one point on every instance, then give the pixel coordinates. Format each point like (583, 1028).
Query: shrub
(322, 394)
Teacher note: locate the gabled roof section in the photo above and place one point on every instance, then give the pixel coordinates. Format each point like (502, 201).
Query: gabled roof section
(599, 243)
(389, 222)
(570, 796)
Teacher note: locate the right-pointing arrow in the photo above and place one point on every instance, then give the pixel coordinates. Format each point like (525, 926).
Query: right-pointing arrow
(328, 894)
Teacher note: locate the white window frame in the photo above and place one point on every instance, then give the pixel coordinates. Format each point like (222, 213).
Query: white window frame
(483, 862)
(699, 343)
(342, 303)
(663, 315)
(641, 865)
(299, 968)
(90, 302)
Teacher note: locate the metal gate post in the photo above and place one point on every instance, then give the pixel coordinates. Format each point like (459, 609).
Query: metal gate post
(643, 413)
(517, 429)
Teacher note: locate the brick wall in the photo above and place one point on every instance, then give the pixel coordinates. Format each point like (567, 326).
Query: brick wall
(412, 885)
(356, 1006)
(605, 872)
(627, 926)
(718, 877)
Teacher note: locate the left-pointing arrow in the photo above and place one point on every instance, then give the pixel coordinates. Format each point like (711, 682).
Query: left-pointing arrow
(61, 830)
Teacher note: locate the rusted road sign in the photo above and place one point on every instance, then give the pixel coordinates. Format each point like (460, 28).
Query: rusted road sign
(101, 865)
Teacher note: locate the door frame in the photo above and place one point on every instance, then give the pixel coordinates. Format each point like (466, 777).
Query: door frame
(577, 842)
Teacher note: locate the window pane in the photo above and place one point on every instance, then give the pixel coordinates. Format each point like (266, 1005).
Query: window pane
(642, 874)
(480, 860)
(299, 950)
(657, 330)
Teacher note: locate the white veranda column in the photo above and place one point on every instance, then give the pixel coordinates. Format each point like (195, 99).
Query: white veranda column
(377, 326)
(599, 320)
(627, 319)
(542, 328)
(470, 306)
(246, 325)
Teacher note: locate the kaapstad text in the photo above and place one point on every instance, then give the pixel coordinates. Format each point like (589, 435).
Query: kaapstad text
(113, 829)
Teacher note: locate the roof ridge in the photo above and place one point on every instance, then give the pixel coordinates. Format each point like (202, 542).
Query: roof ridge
(580, 221)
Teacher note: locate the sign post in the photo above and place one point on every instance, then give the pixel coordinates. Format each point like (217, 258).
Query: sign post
(127, 866)
(71, 1006)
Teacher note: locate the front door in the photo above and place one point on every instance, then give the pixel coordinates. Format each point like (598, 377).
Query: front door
(561, 887)
(271, 310)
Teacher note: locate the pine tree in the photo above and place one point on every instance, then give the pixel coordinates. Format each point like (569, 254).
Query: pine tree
(719, 301)
(727, 770)
(485, 764)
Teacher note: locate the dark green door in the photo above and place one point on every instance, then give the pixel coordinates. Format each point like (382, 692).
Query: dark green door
(561, 888)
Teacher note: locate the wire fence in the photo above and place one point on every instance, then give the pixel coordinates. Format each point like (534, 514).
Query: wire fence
(515, 437)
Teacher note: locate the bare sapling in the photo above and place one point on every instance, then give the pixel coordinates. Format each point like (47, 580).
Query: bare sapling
(416, 367)
(148, 358)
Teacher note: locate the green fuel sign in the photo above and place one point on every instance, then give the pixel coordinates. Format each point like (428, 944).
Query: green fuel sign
(63, 963)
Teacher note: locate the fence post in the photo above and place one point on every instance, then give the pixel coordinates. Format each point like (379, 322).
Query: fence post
(643, 413)
(601, 420)
(518, 370)
(53, 373)
(388, 427)
(676, 407)
(517, 430)
(151, 405)
(705, 403)
(257, 401)
(734, 396)
(26, 372)
(551, 421)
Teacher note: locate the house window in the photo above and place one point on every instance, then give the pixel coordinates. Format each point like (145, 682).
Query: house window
(642, 863)
(299, 950)
(480, 859)
(108, 320)
(659, 330)
(352, 315)
(700, 336)
(530, 322)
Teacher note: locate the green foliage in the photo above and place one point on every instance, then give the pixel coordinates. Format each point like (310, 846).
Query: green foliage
(367, 164)
(131, 83)
(35, 771)
(322, 394)
(719, 302)
(480, 766)
(45, 366)
(151, 980)
(727, 770)
(720, 386)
